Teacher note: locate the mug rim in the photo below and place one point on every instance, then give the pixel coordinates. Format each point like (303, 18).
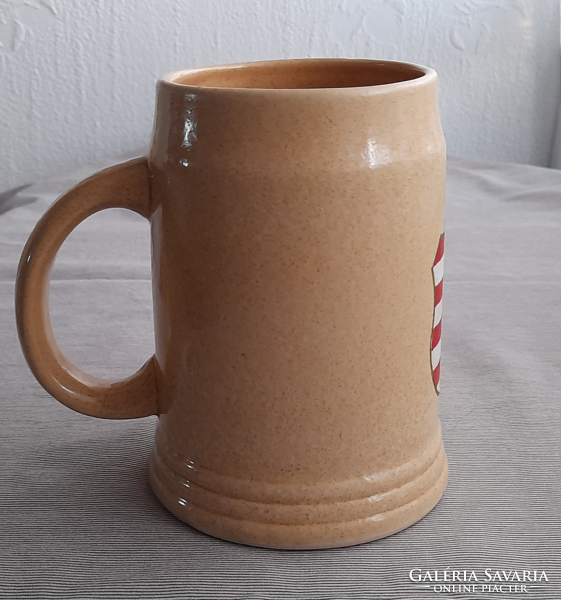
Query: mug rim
(428, 74)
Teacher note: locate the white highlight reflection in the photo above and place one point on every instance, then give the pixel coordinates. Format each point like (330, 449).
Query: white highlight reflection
(375, 154)
(189, 128)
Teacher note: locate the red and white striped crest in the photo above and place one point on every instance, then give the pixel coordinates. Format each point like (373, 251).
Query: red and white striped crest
(435, 344)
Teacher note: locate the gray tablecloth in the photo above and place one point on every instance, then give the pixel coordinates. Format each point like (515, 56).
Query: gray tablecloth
(78, 519)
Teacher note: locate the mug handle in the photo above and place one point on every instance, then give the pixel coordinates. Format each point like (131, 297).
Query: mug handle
(121, 186)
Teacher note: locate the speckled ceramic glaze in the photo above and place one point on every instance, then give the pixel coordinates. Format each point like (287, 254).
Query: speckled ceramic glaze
(297, 214)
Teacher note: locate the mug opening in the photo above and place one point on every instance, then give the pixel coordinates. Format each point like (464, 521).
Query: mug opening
(301, 74)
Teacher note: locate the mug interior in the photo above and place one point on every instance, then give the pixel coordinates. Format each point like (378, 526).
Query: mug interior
(302, 74)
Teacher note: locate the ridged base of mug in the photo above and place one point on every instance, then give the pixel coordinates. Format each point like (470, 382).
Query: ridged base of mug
(290, 524)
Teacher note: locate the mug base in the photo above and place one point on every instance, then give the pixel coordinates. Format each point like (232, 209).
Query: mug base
(313, 526)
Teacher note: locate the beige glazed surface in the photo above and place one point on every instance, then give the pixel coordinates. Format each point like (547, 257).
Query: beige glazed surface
(296, 211)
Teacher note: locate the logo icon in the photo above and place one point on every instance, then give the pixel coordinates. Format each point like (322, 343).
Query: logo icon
(435, 343)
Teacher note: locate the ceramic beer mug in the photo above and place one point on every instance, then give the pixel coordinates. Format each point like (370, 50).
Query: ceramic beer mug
(296, 209)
